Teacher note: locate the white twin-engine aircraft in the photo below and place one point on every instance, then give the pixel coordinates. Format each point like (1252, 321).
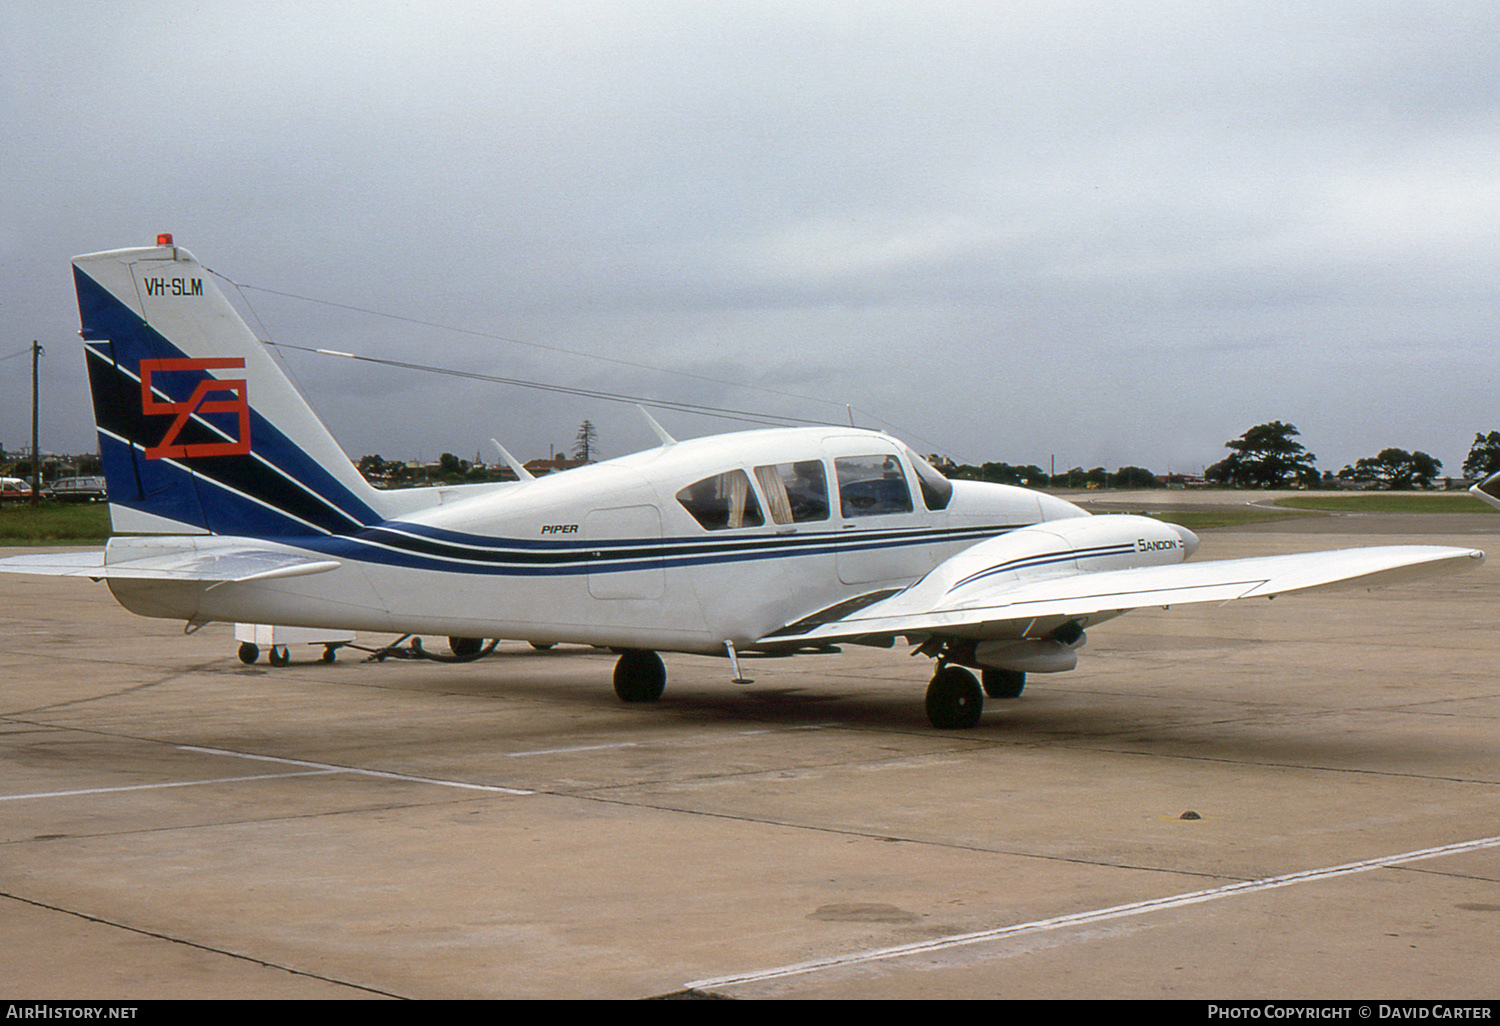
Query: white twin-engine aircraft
(232, 502)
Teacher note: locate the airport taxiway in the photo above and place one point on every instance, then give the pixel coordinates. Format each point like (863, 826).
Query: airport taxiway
(1293, 799)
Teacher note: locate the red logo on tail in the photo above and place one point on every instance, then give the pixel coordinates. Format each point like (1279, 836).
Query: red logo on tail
(198, 403)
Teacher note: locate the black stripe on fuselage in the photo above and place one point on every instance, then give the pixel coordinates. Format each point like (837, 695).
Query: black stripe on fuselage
(499, 553)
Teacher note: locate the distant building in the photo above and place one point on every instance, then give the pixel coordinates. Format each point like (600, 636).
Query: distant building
(553, 465)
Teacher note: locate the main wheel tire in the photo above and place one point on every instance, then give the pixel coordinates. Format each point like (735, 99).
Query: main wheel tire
(1003, 683)
(280, 656)
(249, 653)
(640, 676)
(954, 699)
(542, 646)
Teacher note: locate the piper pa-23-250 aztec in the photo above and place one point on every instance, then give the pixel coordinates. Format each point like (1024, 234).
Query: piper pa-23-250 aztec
(233, 503)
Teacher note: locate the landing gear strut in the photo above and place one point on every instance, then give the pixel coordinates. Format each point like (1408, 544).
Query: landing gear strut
(954, 699)
(640, 676)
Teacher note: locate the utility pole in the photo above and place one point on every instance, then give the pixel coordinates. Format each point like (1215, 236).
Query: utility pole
(36, 452)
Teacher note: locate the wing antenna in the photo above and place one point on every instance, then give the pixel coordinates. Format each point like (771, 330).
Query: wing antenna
(661, 432)
(522, 474)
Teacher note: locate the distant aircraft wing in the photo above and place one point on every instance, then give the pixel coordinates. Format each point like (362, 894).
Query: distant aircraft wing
(220, 564)
(1005, 609)
(1488, 490)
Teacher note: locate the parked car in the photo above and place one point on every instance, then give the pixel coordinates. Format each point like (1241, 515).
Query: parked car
(75, 489)
(13, 488)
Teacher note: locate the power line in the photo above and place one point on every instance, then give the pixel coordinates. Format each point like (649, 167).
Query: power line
(747, 416)
(744, 416)
(493, 337)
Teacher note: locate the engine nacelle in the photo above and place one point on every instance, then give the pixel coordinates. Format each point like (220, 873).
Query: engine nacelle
(1029, 655)
(1090, 543)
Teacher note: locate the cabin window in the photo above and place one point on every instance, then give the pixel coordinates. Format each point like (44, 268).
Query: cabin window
(937, 490)
(722, 502)
(796, 493)
(871, 486)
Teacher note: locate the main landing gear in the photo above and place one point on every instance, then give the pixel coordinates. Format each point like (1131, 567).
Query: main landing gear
(955, 699)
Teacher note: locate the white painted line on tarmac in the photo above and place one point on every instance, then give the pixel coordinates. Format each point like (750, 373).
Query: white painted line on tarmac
(1097, 915)
(566, 751)
(172, 783)
(689, 742)
(331, 768)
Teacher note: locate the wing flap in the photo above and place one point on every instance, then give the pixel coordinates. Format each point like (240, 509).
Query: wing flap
(994, 611)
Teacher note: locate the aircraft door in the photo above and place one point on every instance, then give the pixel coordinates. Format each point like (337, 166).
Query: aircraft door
(626, 564)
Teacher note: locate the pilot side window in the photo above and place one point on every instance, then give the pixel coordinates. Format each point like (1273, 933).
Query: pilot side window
(796, 493)
(722, 502)
(871, 486)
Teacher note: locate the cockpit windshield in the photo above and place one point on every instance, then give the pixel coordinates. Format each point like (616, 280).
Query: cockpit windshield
(937, 490)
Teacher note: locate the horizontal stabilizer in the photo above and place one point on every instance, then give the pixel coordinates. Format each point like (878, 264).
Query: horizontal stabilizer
(221, 564)
(1005, 608)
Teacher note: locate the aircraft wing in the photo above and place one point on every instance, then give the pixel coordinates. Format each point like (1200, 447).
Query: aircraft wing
(1006, 609)
(220, 564)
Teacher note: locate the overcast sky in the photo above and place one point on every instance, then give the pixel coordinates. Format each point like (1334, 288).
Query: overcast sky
(1109, 233)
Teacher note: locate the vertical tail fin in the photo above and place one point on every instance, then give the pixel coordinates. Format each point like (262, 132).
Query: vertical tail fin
(199, 429)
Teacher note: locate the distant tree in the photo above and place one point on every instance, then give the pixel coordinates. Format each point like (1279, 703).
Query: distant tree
(373, 467)
(1006, 473)
(1484, 455)
(1425, 469)
(1029, 476)
(1133, 477)
(377, 470)
(585, 441)
(451, 466)
(1266, 456)
(1077, 477)
(1394, 468)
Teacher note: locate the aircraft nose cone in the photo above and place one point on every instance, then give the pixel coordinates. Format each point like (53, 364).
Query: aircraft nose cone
(1189, 539)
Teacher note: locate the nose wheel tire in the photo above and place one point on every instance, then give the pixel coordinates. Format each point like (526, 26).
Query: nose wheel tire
(954, 699)
(640, 676)
(466, 648)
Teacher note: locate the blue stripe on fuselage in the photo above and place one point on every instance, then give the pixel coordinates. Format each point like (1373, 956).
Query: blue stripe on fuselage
(391, 544)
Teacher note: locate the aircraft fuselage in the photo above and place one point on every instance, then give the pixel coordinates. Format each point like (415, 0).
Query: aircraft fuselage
(678, 548)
